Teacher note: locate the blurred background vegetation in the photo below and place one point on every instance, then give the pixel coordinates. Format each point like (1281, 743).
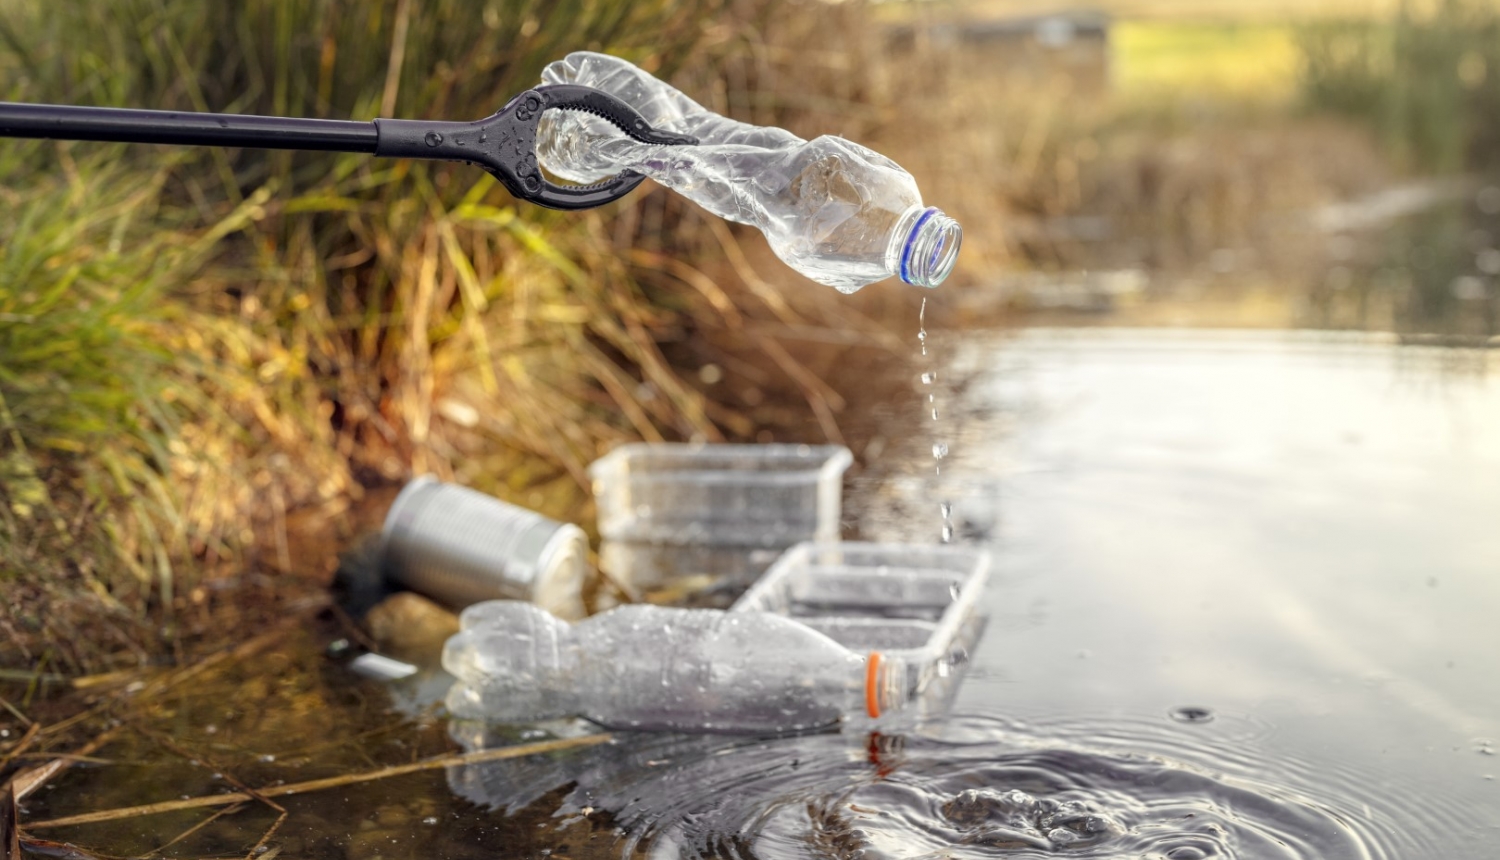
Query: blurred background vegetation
(214, 364)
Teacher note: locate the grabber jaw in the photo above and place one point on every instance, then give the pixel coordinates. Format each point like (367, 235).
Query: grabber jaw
(505, 144)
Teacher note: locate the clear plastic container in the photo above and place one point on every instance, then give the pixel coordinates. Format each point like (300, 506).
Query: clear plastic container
(671, 512)
(837, 212)
(704, 575)
(915, 604)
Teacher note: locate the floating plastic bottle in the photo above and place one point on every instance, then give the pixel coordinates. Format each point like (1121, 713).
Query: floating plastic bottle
(839, 213)
(656, 667)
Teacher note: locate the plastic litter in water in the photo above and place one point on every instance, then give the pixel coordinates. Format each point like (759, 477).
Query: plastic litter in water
(381, 668)
(839, 213)
(657, 667)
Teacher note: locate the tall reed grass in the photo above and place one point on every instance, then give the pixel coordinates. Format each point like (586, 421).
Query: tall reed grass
(1427, 79)
(210, 356)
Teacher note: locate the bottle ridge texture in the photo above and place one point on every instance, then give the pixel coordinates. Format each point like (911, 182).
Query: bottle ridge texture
(656, 667)
(839, 213)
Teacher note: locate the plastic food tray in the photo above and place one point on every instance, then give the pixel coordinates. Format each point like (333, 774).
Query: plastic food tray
(744, 495)
(676, 513)
(911, 602)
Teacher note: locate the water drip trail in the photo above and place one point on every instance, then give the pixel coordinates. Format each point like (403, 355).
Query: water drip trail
(922, 326)
(939, 447)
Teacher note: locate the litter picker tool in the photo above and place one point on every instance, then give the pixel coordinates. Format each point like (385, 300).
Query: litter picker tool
(503, 144)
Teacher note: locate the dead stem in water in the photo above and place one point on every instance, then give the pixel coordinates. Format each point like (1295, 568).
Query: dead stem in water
(26, 782)
(323, 784)
(228, 810)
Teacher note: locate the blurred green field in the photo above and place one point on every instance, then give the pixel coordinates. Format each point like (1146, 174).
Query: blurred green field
(1241, 61)
(1200, 11)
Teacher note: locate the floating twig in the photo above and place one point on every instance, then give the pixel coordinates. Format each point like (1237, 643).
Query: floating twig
(228, 810)
(320, 784)
(16, 712)
(27, 781)
(265, 837)
(250, 647)
(21, 745)
(10, 828)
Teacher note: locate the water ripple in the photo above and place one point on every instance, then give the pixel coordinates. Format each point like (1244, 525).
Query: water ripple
(965, 788)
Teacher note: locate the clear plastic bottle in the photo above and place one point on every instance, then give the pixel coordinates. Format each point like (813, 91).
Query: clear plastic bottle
(839, 213)
(656, 667)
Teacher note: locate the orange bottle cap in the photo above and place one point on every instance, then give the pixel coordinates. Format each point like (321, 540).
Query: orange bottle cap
(872, 685)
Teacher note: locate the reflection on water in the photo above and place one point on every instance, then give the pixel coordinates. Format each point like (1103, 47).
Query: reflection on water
(1241, 610)
(960, 788)
(1208, 528)
(1421, 259)
(1242, 607)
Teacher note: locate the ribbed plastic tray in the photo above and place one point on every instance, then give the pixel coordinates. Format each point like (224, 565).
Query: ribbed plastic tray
(911, 602)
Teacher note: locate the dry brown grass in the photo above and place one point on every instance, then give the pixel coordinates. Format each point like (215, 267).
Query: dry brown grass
(358, 321)
(354, 321)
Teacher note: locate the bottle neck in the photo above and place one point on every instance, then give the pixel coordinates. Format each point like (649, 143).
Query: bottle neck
(885, 685)
(925, 246)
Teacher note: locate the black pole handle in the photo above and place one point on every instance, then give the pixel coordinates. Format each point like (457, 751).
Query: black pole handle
(503, 144)
(66, 122)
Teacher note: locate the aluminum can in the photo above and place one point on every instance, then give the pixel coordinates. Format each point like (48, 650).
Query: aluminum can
(462, 546)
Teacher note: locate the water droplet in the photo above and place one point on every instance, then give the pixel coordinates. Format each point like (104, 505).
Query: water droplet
(928, 379)
(947, 509)
(934, 413)
(1191, 714)
(1062, 836)
(939, 450)
(268, 758)
(922, 326)
(430, 820)
(947, 534)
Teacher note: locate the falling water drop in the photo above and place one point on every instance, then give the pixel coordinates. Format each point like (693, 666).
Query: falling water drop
(939, 450)
(929, 378)
(922, 326)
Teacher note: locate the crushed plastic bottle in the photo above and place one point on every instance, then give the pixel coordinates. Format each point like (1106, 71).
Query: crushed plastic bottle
(839, 213)
(656, 667)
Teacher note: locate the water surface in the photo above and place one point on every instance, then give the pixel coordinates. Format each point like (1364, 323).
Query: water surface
(1292, 536)
(1242, 607)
